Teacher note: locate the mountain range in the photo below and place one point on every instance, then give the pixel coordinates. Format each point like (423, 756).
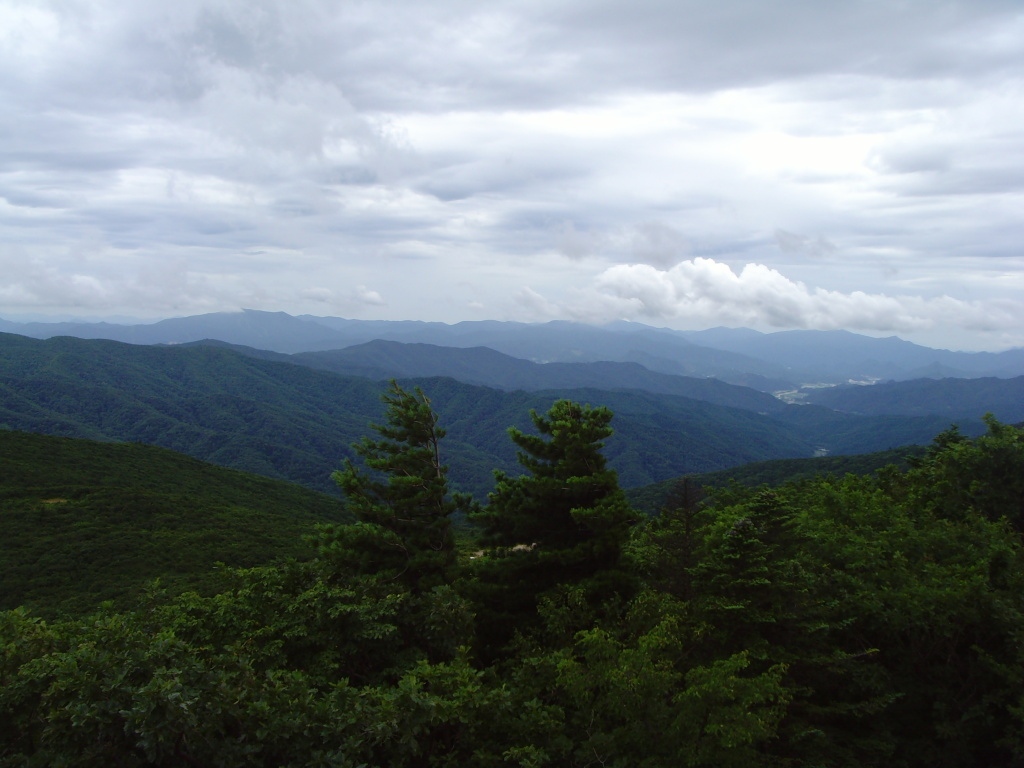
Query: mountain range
(294, 422)
(486, 367)
(765, 361)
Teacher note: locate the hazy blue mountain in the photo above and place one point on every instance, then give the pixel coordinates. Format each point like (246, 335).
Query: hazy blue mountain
(842, 355)
(275, 331)
(566, 342)
(485, 366)
(765, 361)
(953, 398)
(656, 349)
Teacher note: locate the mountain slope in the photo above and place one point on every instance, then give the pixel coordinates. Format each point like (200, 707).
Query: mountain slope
(487, 367)
(952, 398)
(841, 355)
(656, 349)
(765, 361)
(296, 423)
(651, 498)
(85, 522)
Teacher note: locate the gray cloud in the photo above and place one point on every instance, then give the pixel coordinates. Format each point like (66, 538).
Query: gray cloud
(790, 242)
(175, 157)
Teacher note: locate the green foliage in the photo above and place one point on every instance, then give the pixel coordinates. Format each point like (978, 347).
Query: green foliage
(896, 619)
(570, 497)
(630, 694)
(562, 523)
(841, 621)
(404, 504)
(86, 522)
(649, 499)
(928, 607)
(959, 477)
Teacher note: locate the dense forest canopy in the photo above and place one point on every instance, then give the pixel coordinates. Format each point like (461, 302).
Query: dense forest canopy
(85, 522)
(842, 621)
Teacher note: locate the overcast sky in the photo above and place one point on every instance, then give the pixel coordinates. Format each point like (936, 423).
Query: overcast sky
(851, 164)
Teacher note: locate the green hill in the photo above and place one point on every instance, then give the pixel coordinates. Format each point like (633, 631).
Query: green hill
(297, 424)
(649, 499)
(86, 522)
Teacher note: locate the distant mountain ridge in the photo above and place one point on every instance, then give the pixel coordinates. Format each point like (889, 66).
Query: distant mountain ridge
(765, 361)
(851, 356)
(487, 367)
(952, 398)
(275, 331)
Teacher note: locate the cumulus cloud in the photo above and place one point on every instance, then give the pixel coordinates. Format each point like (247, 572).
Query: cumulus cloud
(535, 305)
(760, 296)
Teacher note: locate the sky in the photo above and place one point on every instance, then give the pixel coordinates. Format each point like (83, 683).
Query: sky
(855, 164)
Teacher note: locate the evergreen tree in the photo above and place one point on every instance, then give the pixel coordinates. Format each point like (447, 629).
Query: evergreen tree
(564, 523)
(570, 499)
(402, 501)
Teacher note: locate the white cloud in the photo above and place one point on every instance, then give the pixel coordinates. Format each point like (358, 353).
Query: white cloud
(537, 307)
(364, 295)
(710, 291)
(322, 295)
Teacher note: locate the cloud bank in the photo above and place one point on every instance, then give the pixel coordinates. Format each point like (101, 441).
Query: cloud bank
(850, 164)
(759, 296)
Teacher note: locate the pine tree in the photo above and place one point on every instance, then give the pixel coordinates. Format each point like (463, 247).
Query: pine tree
(401, 497)
(563, 524)
(570, 500)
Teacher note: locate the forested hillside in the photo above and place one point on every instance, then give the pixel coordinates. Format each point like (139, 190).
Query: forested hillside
(291, 422)
(840, 621)
(85, 522)
(952, 398)
(650, 499)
